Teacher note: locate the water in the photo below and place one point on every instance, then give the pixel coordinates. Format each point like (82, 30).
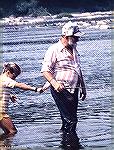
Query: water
(36, 116)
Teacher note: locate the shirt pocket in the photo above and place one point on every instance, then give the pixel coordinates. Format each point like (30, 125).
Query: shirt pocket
(64, 57)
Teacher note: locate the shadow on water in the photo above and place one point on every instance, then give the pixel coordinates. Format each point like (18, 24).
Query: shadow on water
(6, 141)
(70, 141)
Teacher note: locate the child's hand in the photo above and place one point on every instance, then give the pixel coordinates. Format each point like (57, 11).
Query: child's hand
(40, 90)
(13, 98)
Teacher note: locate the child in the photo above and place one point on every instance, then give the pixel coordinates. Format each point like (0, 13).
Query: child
(7, 81)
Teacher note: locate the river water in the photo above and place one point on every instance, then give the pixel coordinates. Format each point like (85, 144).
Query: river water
(36, 116)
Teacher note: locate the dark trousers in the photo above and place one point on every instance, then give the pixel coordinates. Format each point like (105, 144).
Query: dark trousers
(67, 104)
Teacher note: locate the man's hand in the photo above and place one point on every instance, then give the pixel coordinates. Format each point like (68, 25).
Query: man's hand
(57, 86)
(83, 93)
(13, 98)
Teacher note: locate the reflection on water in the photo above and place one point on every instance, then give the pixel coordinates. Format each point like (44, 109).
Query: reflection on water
(6, 142)
(36, 116)
(70, 141)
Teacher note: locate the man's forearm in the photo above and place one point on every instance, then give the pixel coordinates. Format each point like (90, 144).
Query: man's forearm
(48, 75)
(82, 80)
(57, 86)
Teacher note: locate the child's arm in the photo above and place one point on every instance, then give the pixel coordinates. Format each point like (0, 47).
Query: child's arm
(25, 86)
(28, 87)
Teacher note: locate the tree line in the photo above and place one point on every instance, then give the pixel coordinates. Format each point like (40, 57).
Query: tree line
(46, 7)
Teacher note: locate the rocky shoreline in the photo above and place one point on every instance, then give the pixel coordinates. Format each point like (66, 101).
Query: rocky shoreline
(102, 20)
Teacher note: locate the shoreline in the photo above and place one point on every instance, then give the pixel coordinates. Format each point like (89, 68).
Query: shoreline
(102, 20)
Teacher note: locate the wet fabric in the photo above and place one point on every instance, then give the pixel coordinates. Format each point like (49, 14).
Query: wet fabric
(67, 104)
(70, 141)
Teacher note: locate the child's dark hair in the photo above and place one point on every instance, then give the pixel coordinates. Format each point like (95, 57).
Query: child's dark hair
(12, 67)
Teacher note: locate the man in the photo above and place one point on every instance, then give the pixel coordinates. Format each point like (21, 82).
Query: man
(62, 70)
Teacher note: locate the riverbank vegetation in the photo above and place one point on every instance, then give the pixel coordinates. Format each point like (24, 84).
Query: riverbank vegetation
(35, 8)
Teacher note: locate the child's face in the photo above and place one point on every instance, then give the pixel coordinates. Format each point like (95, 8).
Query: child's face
(11, 75)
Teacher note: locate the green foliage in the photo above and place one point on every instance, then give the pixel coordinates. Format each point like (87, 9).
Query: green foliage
(44, 7)
(31, 8)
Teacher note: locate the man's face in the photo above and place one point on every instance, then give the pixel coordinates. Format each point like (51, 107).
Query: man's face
(72, 40)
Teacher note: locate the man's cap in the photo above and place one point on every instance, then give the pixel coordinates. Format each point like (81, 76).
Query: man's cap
(71, 29)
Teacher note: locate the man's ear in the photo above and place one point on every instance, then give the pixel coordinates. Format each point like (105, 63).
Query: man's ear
(63, 36)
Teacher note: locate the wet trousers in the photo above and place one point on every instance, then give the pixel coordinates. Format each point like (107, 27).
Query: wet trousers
(67, 104)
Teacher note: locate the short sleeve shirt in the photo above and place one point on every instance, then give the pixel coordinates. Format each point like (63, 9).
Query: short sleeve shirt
(65, 69)
(6, 84)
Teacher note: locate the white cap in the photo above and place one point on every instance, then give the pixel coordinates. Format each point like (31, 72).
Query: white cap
(70, 29)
